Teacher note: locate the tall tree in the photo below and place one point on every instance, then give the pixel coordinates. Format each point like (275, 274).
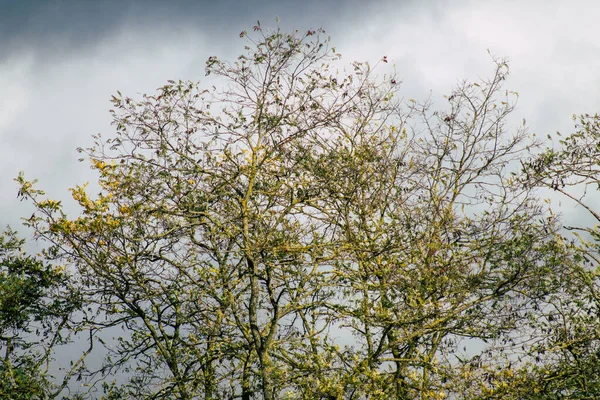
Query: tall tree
(242, 232)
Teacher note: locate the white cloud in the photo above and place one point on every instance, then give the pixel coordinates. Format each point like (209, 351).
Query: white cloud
(552, 47)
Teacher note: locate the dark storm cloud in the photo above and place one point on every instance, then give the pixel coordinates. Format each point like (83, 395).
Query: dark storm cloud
(56, 27)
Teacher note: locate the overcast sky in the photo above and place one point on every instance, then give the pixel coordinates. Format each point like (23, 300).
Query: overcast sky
(61, 60)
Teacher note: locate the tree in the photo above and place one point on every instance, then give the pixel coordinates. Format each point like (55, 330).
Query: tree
(439, 244)
(241, 232)
(574, 345)
(35, 310)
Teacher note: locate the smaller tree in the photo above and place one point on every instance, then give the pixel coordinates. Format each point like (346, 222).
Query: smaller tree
(35, 310)
(572, 346)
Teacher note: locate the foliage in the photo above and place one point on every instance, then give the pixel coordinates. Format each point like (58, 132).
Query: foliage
(35, 307)
(567, 169)
(243, 234)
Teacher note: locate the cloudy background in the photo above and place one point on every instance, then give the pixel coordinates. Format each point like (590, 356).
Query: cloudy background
(61, 60)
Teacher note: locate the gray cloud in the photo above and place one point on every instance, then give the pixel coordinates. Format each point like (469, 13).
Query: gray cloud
(60, 61)
(58, 27)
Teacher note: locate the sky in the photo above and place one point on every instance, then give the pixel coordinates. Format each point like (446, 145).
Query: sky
(60, 61)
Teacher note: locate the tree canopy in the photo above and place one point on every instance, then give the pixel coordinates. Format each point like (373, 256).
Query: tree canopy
(298, 231)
